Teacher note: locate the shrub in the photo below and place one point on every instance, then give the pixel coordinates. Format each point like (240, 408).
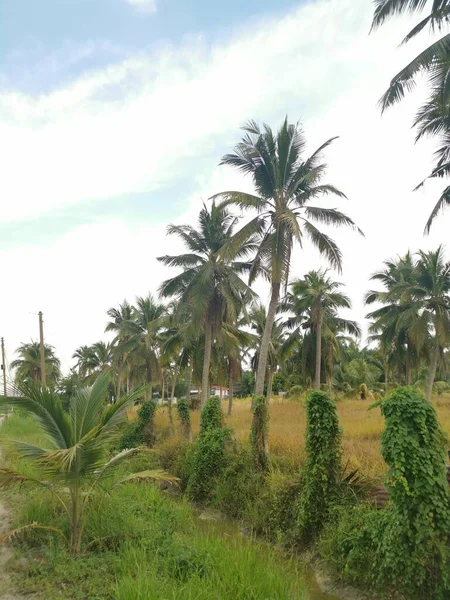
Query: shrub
(441, 387)
(402, 550)
(413, 550)
(259, 434)
(238, 486)
(142, 431)
(323, 465)
(184, 417)
(209, 456)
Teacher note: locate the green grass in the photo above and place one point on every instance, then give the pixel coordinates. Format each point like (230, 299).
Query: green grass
(138, 545)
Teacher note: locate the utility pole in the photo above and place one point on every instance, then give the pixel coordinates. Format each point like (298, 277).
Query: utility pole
(42, 350)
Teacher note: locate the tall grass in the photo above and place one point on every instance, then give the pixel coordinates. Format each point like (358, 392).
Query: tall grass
(140, 545)
(361, 430)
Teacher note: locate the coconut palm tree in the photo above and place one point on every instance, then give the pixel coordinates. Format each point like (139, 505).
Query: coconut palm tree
(315, 300)
(94, 359)
(76, 463)
(403, 339)
(115, 325)
(28, 365)
(257, 321)
(433, 60)
(209, 287)
(141, 337)
(433, 117)
(285, 183)
(432, 297)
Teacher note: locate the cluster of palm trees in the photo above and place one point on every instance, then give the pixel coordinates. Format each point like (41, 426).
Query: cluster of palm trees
(433, 117)
(208, 321)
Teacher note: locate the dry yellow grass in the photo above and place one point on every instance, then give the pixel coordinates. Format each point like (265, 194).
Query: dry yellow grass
(361, 430)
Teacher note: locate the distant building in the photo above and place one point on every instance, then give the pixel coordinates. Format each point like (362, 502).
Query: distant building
(217, 389)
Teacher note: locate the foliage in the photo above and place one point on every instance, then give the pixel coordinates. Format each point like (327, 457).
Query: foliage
(323, 465)
(413, 551)
(259, 433)
(184, 417)
(28, 364)
(285, 183)
(296, 392)
(77, 458)
(142, 430)
(432, 116)
(210, 455)
(403, 550)
(209, 289)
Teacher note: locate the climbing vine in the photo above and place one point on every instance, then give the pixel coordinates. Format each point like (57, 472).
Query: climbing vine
(258, 434)
(184, 417)
(210, 453)
(323, 465)
(413, 552)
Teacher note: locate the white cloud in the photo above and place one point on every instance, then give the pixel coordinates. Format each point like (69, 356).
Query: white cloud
(149, 6)
(147, 120)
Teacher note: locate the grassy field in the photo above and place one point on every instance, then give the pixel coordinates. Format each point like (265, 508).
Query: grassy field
(139, 544)
(361, 430)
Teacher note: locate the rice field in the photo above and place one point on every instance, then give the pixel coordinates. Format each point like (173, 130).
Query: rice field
(361, 429)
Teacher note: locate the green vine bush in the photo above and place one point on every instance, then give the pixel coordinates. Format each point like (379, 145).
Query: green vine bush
(209, 457)
(413, 550)
(259, 433)
(184, 417)
(320, 476)
(403, 550)
(142, 431)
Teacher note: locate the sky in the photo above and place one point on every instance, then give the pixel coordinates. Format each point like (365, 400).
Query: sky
(114, 115)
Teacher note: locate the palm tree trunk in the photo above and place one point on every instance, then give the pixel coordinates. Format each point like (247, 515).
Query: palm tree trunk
(318, 350)
(206, 362)
(172, 396)
(189, 381)
(269, 385)
(433, 368)
(162, 388)
(265, 340)
(119, 384)
(408, 368)
(230, 390)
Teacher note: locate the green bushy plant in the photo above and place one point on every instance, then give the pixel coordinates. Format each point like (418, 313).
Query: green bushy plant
(239, 484)
(320, 475)
(259, 434)
(184, 417)
(402, 550)
(210, 455)
(413, 551)
(142, 431)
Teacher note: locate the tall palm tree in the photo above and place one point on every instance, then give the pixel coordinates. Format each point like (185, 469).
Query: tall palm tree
(93, 360)
(257, 321)
(84, 356)
(285, 182)
(400, 332)
(432, 295)
(317, 297)
(115, 325)
(141, 337)
(433, 117)
(28, 365)
(76, 463)
(209, 287)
